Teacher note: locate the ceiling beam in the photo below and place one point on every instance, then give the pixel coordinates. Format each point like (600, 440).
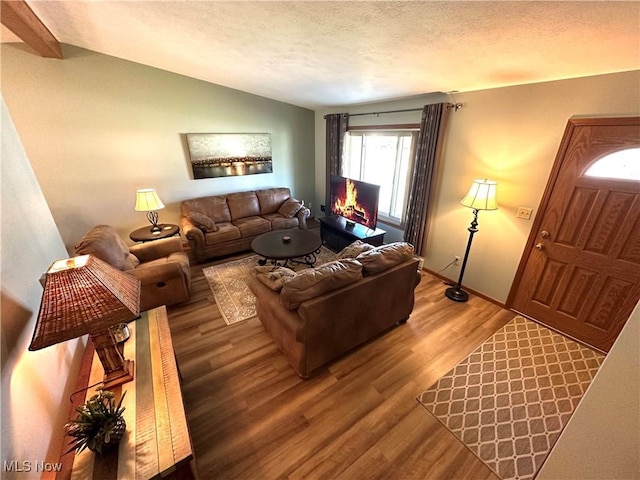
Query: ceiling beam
(18, 17)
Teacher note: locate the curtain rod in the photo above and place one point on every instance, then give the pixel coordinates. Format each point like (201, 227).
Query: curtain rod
(380, 113)
(454, 106)
(387, 111)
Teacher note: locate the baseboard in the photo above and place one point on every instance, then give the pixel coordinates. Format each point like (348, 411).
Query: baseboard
(467, 289)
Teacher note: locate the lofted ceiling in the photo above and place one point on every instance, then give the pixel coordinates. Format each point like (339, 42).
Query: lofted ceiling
(328, 53)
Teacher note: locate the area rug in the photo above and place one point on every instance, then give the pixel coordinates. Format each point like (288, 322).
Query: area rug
(510, 399)
(229, 283)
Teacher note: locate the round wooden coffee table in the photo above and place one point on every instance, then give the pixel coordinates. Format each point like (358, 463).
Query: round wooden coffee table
(281, 247)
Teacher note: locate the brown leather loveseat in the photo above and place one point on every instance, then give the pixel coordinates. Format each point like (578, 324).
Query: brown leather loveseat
(318, 314)
(162, 266)
(222, 224)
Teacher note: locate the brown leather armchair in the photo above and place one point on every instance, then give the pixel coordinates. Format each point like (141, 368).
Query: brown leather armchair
(162, 266)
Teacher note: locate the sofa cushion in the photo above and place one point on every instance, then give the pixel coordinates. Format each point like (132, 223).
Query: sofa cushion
(243, 204)
(278, 222)
(274, 277)
(203, 222)
(354, 249)
(313, 282)
(271, 199)
(226, 232)
(386, 256)
(215, 207)
(107, 245)
(290, 207)
(252, 226)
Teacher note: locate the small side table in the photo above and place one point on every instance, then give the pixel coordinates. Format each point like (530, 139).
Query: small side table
(145, 234)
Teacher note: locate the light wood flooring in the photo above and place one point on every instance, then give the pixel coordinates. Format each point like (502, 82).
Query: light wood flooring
(251, 417)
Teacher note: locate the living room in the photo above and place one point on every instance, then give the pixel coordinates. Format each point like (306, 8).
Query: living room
(93, 128)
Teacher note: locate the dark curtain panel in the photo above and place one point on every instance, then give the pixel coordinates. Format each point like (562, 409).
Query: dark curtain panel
(337, 124)
(427, 153)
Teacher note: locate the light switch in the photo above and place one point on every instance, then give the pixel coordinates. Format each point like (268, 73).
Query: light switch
(524, 212)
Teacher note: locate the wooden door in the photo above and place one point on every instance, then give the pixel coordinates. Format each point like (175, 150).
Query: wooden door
(580, 271)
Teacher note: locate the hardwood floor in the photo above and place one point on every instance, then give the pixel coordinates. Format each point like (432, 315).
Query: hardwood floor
(251, 417)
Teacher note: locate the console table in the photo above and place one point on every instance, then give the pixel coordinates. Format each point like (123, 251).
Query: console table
(156, 443)
(337, 233)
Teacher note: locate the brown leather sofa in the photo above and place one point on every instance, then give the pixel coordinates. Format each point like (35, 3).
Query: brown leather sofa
(317, 330)
(222, 224)
(162, 266)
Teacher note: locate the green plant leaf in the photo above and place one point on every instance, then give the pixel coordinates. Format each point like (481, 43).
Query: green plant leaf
(95, 422)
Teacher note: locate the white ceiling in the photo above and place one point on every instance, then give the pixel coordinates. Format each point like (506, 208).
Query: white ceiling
(331, 53)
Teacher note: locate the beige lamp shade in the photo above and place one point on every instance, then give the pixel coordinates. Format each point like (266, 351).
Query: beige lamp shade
(481, 195)
(83, 295)
(147, 200)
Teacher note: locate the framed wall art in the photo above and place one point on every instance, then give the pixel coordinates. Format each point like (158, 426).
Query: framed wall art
(229, 154)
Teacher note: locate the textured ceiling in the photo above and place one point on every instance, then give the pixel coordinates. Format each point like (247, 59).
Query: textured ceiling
(316, 54)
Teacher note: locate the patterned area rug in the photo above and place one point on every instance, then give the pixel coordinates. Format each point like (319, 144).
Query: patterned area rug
(229, 283)
(509, 400)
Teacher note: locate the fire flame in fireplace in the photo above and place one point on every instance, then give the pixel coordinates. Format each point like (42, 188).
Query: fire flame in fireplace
(349, 206)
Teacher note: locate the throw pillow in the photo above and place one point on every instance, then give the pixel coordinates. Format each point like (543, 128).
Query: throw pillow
(353, 250)
(385, 256)
(203, 222)
(274, 277)
(313, 282)
(290, 207)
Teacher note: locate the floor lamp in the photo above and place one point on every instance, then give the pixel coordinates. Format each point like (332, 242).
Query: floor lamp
(481, 196)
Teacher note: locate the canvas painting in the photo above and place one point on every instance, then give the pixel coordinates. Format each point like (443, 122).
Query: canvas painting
(229, 154)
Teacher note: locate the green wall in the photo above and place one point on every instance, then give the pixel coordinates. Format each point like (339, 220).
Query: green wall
(96, 128)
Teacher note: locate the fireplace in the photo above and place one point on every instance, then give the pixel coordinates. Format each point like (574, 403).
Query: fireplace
(355, 200)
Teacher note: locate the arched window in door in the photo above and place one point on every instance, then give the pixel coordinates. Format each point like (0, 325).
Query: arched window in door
(623, 164)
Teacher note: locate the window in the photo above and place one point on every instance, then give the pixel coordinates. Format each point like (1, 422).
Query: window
(624, 165)
(382, 157)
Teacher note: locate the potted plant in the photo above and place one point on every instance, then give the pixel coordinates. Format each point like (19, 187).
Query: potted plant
(99, 424)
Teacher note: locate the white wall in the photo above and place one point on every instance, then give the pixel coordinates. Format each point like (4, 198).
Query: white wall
(510, 135)
(602, 438)
(96, 128)
(35, 385)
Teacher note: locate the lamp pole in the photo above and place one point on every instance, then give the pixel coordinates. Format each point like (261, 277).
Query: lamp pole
(457, 294)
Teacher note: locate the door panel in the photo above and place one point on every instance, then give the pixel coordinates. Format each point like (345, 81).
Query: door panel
(580, 272)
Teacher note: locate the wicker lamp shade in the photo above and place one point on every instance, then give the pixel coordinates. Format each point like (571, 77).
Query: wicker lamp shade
(84, 295)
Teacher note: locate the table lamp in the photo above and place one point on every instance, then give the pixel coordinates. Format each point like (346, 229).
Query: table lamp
(481, 196)
(147, 200)
(84, 295)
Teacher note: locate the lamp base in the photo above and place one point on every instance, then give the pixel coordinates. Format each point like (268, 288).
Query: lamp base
(117, 370)
(153, 220)
(456, 294)
(119, 376)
